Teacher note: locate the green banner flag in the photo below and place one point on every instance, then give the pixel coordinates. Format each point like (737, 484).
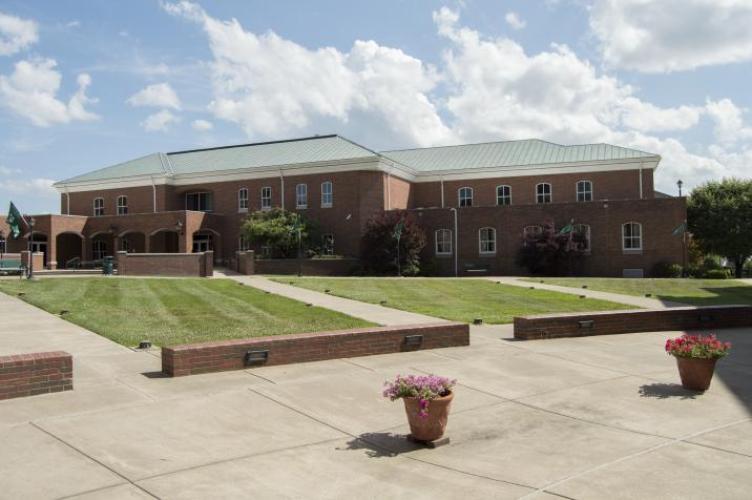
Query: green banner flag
(14, 221)
(680, 229)
(567, 229)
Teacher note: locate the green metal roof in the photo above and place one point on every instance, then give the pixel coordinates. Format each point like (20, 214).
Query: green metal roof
(257, 155)
(508, 154)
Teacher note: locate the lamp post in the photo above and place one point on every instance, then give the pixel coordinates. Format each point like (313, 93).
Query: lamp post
(2, 245)
(31, 248)
(679, 184)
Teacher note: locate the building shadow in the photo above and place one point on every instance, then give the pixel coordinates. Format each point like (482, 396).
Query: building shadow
(719, 296)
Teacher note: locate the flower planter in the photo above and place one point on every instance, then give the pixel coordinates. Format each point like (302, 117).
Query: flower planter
(432, 426)
(696, 373)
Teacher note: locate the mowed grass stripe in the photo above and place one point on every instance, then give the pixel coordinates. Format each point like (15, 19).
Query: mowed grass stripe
(174, 311)
(454, 299)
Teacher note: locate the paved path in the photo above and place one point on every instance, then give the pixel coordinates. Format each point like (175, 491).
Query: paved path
(595, 417)
(370, 312)
(641, 302)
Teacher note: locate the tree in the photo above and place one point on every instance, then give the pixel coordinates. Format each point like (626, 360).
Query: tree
(379, 244)
(553, 252)
(719, 216)
(278, 229)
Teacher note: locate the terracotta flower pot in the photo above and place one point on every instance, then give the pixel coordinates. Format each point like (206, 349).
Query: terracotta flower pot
(432, 426)
(696, 373)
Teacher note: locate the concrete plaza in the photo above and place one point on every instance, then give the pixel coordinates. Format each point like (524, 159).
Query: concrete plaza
(599, 417)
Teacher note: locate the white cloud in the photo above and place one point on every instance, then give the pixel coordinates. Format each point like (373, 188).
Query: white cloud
(36, 187)
(16, 34)
(31, 92)
(729, 122)
(202, 125)
(672, 35)
(158, 95)
(160, 121)
(514, 20)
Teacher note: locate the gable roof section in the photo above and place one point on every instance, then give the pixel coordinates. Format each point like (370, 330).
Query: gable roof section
(153, 164)
(510, 154)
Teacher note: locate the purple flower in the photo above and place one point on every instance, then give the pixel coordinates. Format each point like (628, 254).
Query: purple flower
(423, 387)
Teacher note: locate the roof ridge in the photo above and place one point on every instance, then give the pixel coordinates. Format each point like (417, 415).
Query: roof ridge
(262, 143)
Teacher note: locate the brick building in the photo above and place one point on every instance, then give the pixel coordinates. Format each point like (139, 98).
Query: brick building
(474, 201)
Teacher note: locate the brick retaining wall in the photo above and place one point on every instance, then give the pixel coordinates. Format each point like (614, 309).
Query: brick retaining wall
(225, 355)
(166, 264)
(37, 373)
(615, 322)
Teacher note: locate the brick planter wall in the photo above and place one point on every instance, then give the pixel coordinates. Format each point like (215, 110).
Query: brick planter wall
(191, 359)
(166, 264)
(37, 373)
(614, 322)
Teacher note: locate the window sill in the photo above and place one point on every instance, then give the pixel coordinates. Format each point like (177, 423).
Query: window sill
(326, 206)
(487, 254)
(443, 255)
(301, 208)
(631, 251)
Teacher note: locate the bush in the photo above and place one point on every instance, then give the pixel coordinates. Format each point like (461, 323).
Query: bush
(552, 252)
(667, 270)
(278, 229)
(379, 245)
(717, 274)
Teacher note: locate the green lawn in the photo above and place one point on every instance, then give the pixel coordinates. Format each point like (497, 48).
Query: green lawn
(454, 299)
(689, 291)
(174, 311)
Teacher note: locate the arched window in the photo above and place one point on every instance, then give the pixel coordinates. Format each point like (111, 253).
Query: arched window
(122, 205)
(503, 195)
(584, 191)
(98, 207)
(327, 194)
(543, 193)
(301, 196)
(99, 249)
(266, 198)
(443, 239)
(631, 235)
(487, 240)
(465, 195)
(243, 200)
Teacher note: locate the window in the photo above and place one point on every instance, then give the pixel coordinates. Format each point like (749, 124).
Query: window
(266, 252)
(581, 237)
(327, 243)
(503, 195)
(266, 198)
(301, 196)
(243, 200)
(243, 244)
(543, 193)
(98, 207)
(466, 196)
(122, 205)
(327, 196)
(443, 242)
(125, 245)
(200, 202)
(487, 240)
(584, 191)
(631, 233)
(99, 248)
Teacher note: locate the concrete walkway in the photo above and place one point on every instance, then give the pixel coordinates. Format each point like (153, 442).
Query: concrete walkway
(597, 417)
(370, 312)
(641, 302)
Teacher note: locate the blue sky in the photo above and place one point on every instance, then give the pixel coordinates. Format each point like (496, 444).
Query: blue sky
(86, 84)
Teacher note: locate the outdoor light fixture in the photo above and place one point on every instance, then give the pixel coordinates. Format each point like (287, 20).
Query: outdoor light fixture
(413, 340)
(586, 323)
(179, 226)
(144, 344)
(706, 318)
(679, 184)
(256, 357)
(478, 321)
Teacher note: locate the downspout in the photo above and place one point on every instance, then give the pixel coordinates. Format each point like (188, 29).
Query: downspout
(442, 194)
(456, 241)
(388, 191)
(67, 202)
(640, 180)
(153, 195)
(282, 189)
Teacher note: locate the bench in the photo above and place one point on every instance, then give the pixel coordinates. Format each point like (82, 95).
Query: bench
(11, 266)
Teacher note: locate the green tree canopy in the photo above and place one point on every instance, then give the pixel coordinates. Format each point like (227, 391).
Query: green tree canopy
(278, 229)
(379, 244)
(719, 216)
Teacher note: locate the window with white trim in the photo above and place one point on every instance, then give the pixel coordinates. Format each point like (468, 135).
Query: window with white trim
(327, 244)
(98, 207)
(243, 243)
(487, 240)
(503, 195)
(443, 238)
(543, 193)
(99, 249)
(266, 198)
(327, 194)
(584, 191)
(631, 234)
(122, 205)
(465, 195)
(243, 200)
(301, 196)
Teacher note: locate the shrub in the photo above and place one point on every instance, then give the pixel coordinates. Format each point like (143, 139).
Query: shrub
(717, 274)
(278, 229)
(697, 346)
(552, 252)
(379, 245)
(666, 270)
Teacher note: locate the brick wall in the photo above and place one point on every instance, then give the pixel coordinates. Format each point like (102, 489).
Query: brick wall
(245, 262)
(208, 357)
(615, 322)
(309, 267)
(38, 373)
(37, 260)
(165, 264)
